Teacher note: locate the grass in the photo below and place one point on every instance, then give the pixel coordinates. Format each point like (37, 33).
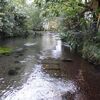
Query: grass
(5, 50)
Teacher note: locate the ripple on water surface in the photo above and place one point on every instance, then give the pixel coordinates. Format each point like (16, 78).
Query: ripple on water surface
(41, 87)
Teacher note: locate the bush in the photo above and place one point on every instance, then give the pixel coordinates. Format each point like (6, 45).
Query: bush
(17, 20)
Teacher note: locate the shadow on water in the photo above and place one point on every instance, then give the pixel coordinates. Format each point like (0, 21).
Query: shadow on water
(43, 74)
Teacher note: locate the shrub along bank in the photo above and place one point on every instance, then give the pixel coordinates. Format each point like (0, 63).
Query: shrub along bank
(85, 44)
(17, 18)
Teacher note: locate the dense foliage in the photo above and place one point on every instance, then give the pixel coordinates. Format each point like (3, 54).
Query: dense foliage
(74, 13)
(79, 24)
(16, 18)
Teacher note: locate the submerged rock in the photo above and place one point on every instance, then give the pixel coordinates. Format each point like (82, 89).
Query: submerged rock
(5, 54)
(19, 50)
(16, 61)
(66, 60)
(97, 67)
(91, 61)
(20, 54)
(29, 44)
(16, 56)
(12, 72)
(17, 68)
(68, 96)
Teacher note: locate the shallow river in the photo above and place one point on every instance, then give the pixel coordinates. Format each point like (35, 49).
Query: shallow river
(43, 73)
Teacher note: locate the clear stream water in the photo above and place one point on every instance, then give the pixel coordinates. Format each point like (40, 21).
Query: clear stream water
(42, 75)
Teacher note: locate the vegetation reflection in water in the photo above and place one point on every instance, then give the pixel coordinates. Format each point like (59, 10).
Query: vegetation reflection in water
(41, 85)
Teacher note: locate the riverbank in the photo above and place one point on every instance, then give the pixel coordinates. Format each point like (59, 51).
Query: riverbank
(87, 45)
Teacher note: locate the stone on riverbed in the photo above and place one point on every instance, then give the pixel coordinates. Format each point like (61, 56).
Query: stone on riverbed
(6, 54)
(68, 96)
(19, 50)
(12, 72)
(17, 68)
(16, 61)
(20, 54)
(29, 44)
(97, 67)
(66, 60)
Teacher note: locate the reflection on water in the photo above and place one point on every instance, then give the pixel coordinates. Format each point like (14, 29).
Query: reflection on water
(58, 50)
(41, 87)
(32, 83)
(42, 75)
(48, 42)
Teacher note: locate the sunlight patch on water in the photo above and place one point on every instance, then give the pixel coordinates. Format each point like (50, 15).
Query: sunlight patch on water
(57, 52)
(54, 53)
(48, 42)
(29, 44)
(41, 87)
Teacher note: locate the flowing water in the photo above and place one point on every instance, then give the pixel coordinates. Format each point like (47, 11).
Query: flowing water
(42, 74)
